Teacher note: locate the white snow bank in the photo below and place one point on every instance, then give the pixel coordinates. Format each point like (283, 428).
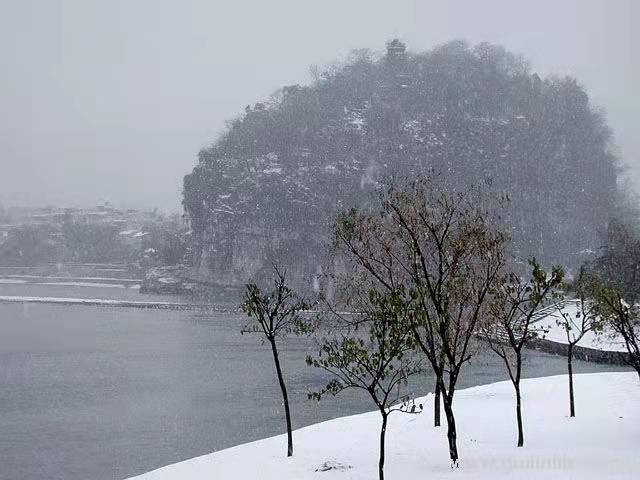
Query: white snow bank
(81, 284)
(72, 279)
(601, 442)
(557, 333)
(95, 302)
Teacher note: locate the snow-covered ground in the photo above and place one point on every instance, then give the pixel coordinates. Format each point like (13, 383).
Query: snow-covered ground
(601, 442)
(557, 333)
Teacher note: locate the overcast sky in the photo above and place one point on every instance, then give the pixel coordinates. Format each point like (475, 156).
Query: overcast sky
(112, 99)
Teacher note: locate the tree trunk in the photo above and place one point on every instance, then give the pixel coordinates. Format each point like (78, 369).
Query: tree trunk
(572, 407)
(451, 429)
(447, 400)
(285, 398)
(436, 404)
(519, 413)
(383, 432)
(636, 365)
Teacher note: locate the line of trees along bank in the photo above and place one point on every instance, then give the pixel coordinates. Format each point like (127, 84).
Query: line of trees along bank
(164, 241)
(423, 275)
(277, 176)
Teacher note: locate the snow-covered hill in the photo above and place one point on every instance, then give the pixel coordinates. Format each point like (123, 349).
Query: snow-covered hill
(601, 442)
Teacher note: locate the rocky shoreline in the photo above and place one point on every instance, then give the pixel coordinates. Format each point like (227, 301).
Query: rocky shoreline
(580, 353)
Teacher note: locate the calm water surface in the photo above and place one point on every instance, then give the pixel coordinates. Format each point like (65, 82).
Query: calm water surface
(107, 393)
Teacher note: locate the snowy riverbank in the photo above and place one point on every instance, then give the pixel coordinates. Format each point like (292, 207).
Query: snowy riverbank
(601, 442)
(557, 333)
(99, 302)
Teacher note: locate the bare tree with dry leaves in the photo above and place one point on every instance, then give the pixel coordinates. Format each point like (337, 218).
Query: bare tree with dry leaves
(621, 319)
(509, 324)
(273, 315)
(577, 318)
(448, 251)
(371, 350)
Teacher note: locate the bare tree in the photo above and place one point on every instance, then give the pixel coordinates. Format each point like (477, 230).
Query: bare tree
(577, 322)
(373, 353)
(274, 315)
(510, 317)
(448, 250)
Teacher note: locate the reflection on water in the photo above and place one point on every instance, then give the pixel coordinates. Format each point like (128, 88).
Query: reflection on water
(106, 393)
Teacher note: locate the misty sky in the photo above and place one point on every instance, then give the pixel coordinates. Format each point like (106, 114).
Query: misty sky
(112, 99)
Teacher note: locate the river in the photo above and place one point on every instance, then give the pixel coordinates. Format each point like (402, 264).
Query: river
(92, 392)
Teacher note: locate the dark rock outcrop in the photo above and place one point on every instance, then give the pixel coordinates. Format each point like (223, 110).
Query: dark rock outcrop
(580, 353)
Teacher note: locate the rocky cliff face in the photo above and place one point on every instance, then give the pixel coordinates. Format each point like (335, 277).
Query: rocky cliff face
(247, 255)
